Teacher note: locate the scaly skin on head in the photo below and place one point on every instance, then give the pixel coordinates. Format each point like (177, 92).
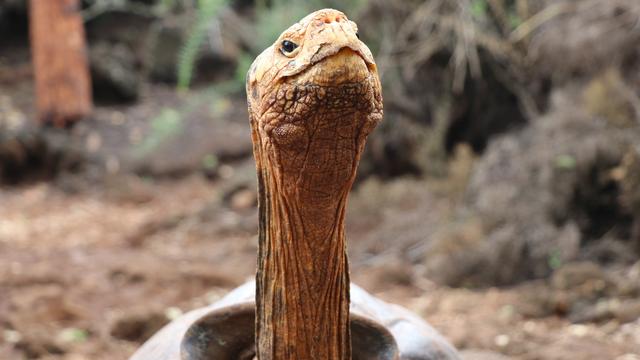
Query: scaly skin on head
(314, 96)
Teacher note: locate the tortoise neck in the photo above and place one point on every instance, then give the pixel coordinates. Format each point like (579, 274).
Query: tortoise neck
(305, 172)
(303, 276)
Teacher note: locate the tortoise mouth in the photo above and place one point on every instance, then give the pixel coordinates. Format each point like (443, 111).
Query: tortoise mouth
(344, 66)
(229, 334)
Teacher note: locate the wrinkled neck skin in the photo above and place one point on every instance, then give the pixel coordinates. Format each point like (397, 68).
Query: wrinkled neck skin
(308, 137)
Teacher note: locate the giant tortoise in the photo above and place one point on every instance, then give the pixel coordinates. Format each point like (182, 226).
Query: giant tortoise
(314, 96)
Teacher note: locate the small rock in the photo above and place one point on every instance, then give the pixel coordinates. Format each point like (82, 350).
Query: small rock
(628, 311)
(588, 276)
(628, 357)
(502, 340)
(243, 199)
(36, 346)
(579, 330)
(137, 327)
(634, 272)
(610, 309)
(163, 55)
(173, 313)
(12, 336)
(114, 72)
(584, 312)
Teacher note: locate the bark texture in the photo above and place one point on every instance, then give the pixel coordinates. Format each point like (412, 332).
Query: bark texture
(62, 82)
(311, 110)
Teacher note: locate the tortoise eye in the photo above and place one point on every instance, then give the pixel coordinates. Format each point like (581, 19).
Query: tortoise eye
(288, 47)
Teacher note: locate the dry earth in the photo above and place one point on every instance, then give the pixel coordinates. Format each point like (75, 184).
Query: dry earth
(90, 274)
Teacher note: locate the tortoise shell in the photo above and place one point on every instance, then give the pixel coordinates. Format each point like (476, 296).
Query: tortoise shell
(225, 330)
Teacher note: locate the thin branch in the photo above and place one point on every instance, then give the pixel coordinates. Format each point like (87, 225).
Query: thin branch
(539, 19)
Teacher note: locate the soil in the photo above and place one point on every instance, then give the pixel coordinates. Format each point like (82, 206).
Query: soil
(77, 282)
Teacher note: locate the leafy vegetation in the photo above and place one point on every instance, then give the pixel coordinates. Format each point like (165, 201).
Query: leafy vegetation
(170, 121)
(163, 126)
(206, 12)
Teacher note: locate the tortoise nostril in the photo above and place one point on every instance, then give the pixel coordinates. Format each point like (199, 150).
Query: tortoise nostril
(327, 20)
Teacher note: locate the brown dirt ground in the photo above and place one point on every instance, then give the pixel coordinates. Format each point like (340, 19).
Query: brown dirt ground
(80, 273)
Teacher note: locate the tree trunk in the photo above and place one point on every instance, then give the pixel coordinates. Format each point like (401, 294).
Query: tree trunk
(61, 70)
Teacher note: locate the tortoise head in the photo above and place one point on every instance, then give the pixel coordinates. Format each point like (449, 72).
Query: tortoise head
(318, 36)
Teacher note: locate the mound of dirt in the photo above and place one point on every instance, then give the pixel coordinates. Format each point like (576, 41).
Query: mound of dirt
(544, 196)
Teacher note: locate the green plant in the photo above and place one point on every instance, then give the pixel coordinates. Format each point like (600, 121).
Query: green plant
(479, 9)
(73, 335)
(163, 126)
(205, 12)
(555, 259)
(210, 162)
(242, 67)
(565, 161)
